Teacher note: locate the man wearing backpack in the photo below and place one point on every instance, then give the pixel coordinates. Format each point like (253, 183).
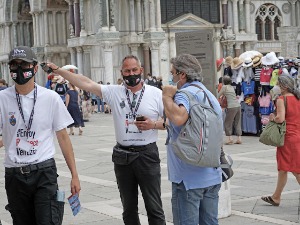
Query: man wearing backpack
(194, 189)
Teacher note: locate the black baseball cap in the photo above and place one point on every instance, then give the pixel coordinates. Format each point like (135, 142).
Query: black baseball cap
(24, 53)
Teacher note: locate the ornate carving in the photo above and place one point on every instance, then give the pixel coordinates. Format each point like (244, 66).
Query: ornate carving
(23, 10)
(72, 32)
(286, 7)
(107, 45)
(57, 3)
(227, 34)
(155, 45)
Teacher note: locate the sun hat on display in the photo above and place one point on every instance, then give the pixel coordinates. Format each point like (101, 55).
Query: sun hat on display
(247, 62)
(219, 63)
(280, 58)
(69, 67)
(269, 59)
(228, 60)
(256, 61)
(236, 63)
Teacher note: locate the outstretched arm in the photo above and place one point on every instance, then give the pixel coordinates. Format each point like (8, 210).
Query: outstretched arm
(67, 150)
(78, 80)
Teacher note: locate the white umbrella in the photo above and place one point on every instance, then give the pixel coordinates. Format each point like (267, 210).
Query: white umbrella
(250, 54)
(68, 67)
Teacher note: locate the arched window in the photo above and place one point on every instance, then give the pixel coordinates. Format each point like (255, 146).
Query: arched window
(268, 19)
(258, 27)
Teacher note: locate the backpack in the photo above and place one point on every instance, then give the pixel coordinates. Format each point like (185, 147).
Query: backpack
(200, 140)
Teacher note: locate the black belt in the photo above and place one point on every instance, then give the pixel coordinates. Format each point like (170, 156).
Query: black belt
(29, 168)
(136, 148)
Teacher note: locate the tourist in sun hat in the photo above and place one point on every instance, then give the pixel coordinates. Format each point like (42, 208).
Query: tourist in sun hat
(227, 66)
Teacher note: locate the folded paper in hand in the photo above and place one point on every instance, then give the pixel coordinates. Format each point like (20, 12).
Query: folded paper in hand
(74, 204)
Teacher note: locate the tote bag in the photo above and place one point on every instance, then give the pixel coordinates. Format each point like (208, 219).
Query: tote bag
(223, 101)
(274, 133)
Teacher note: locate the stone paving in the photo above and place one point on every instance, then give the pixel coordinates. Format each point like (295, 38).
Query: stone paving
(254, 167)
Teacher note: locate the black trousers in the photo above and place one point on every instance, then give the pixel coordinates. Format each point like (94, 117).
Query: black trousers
(32, 196)
(144, 171)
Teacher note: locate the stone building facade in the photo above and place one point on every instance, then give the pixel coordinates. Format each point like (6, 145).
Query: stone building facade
(96, 34)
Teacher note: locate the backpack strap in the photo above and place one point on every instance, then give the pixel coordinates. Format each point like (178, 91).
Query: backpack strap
(205, 94)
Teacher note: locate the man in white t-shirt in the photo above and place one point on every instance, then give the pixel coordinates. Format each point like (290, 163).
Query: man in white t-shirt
(30, 115)
(137, 110)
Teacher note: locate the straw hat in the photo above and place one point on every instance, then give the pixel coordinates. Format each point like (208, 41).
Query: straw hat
(236, 63)
(269, 59)
(256, 61)
(248, 62)
(228, 60)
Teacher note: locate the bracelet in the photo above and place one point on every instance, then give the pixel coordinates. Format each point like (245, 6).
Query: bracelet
(56, 68)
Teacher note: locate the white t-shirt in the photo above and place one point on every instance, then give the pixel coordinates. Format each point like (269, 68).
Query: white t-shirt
(150, 106)
(50, 115)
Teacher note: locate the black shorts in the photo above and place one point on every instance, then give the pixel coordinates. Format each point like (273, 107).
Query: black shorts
(94, 101)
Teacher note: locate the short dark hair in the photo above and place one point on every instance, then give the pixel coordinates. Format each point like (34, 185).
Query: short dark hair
(2, 81)
(132, 57)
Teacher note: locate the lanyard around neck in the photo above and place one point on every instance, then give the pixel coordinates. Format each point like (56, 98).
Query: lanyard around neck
(135, 107)
(32, 111)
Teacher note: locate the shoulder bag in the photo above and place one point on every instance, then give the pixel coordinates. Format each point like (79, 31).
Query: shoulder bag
(223, 101)
(274, 133)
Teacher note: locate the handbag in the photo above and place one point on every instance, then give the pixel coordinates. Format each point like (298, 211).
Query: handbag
(223, 101)
(274, 133)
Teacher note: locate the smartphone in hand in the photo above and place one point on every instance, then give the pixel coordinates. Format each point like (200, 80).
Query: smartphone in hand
(140, 118)
(46, 68)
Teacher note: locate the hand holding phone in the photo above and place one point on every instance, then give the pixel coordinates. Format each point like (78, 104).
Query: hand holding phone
(140, 118)
(46, 68)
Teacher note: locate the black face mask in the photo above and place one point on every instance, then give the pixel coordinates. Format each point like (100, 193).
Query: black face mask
(22, 76)
(132, 80)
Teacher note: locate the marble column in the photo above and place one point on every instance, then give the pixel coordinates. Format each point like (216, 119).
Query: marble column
(108, 61)
(63, 58)
(154, 46)
(100, 16)
(87, 61)
(158, 16)
(34, 29)
(146, 14)
(79, 60)
(49, 58)
(71, 17)
(73, 56)
(272, 30)
(132, 16)
(152, 15)
(7, 37)
(235, 17)
(230, 51)
(28, 39)
(15, 35)
(172, 45)
(38, 34)
(238, 49)
(22, 36)
(146, 54)
(225, 12)
(112, 15)
(263, 34)
(134, 48)
(82, 20)
(248, 46)
(55, 42)
(6, 74)
(248, 20)
(77, 18)
(64, 34)
(40, 77)
(139, 16)
(46, 27)
(242, 16)
(293, 12)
